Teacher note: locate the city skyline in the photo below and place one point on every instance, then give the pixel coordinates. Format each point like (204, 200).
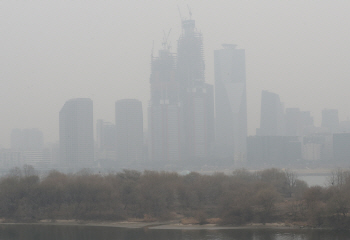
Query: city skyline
(84, 48)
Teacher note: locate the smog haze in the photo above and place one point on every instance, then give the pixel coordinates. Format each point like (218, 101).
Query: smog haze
(52, 51)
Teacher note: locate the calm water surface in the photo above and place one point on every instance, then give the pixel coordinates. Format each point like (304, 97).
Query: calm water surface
(316, 180)
(37, 232)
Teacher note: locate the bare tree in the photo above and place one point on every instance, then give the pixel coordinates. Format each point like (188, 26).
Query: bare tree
(291, 181)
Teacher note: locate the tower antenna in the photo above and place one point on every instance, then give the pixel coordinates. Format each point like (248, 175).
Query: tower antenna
(166, 44)
(152, 51)
(189, 11)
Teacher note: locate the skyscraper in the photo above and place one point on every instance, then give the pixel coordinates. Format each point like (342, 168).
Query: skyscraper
(298, 123)
(129, 131)
(231, 103)
(164, 110)
(76, 133)
(272, 117)
(196, 98)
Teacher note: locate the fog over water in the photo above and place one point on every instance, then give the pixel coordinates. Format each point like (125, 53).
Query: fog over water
(55, 51)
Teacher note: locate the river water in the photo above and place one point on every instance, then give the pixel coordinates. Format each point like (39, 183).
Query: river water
(52, 232)
(315, 180)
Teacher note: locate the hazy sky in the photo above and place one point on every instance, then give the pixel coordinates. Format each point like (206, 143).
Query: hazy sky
(52, 51)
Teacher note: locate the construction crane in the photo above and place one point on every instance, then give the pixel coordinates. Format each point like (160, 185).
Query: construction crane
(165, 43)
(189, 11)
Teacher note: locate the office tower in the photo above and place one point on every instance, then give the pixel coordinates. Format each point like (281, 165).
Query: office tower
(27, 139)
(129, 131)
(164, 109)
(76, 133)
(272, 120)
(196, 103)
(106, 140)
(330, 120)
(298, 123)
(231, 103)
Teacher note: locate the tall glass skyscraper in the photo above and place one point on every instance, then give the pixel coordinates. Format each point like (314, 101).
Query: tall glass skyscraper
(231, 103)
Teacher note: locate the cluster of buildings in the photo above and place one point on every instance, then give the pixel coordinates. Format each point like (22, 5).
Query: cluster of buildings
(288, 136)
(27, 147)
(191, 123)
(181, 111)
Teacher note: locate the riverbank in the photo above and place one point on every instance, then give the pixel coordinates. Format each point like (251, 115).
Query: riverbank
(167, 225)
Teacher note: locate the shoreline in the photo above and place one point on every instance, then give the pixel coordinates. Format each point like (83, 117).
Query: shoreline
(166, 225)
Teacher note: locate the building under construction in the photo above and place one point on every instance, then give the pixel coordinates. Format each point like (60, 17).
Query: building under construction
(181, 111)
(164, 110)
(196, 96)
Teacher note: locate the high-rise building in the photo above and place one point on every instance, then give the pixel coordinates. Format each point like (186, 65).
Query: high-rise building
(330, 120)
(106, 140)
(129, 131)
(76, 133)
(196, 98)
(164, 110)
(181, 110)
(298, 123)
(272, 118)
(231, 103)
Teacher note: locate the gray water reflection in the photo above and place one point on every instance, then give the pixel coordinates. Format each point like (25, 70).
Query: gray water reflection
(41, 232)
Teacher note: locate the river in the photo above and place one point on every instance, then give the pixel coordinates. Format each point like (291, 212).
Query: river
(58, 232)
(315, 180)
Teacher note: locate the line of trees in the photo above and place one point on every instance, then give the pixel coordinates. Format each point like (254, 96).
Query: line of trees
(243, 197)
